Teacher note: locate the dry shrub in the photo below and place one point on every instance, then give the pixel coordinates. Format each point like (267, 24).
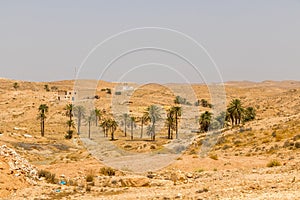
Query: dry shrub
(107, 171)
(49, 177)
(273, 163)
(213, 156)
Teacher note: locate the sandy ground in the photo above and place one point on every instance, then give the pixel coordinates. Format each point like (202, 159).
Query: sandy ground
(234, 168)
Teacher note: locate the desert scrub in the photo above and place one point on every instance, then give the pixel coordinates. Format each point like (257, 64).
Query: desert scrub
(193, 152)
(199, 170)
(49, 177)
(213, 156)
(90, 177)
(273, 163)
(107, 171)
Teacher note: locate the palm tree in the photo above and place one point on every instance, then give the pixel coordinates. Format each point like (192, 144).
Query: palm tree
(79, 112)
(69, 113)
(177, 100)
(235, 111)
(250, 114)
(113, 127)
(98, 115)
(205, 120)
(222, 119)
(177, 113)
(70, 132)
(43, 109)
(170, 123)
(90, 118)
(144, 119)
(204, 103)
(125, 117)
(132, 125)
(153, 112)
(105, 125)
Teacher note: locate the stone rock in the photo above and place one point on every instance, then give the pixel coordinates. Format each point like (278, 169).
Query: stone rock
(160, 183)
(27, 136)
(19, 165)
(134, 181)
(189, 175)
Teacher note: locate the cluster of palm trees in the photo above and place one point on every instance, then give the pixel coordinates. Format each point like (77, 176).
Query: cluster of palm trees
(235, 114)
(109, 125)
(150, 117)
(173, 115)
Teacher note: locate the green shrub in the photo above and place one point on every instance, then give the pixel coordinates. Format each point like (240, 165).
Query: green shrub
(90, 177)
(107, 171)
(273, 163)
(199, 170)
(108, 91)
(213, 156)
(69, 134)
(49, 177)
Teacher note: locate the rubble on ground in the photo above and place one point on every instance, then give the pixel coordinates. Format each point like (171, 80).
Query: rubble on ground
(18, 165)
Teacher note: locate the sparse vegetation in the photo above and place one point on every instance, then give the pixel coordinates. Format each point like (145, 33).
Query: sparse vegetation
(108, 91)
(43, 109)
(273, 163)
(200, 170)
(49, 177)
(266, 138)
(132, 125)
(180, 100)
(46, 88)
(107, 171)
(213, 156)
(16, 85)
(205, 121)
(89, 177)
(126, 117)
(153, 113)
(79, 112)
(69, 113)
(90, 118)
(54, 88)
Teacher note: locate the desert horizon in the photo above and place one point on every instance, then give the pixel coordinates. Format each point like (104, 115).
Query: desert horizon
(262, 151)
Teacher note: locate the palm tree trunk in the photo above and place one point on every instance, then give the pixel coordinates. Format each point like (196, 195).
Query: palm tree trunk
(131, 130)
(79, 124)
(89, 129)
(169, 131)
(142, 128)
(125, 124)
(112, 135)
(153, 137)
(70, 124)
(43, 128)
(176, 124)
(42, 134)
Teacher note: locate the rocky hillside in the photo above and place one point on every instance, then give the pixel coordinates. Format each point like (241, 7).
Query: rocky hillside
(259, 160)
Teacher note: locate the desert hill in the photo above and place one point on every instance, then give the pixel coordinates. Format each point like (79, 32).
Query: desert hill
(235, 168)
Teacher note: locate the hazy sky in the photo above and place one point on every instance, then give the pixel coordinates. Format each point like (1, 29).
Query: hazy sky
(248, 40)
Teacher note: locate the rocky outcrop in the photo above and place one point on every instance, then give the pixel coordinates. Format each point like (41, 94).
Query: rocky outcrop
(18, 165)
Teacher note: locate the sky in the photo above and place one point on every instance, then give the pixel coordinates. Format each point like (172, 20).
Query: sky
(250, 40)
